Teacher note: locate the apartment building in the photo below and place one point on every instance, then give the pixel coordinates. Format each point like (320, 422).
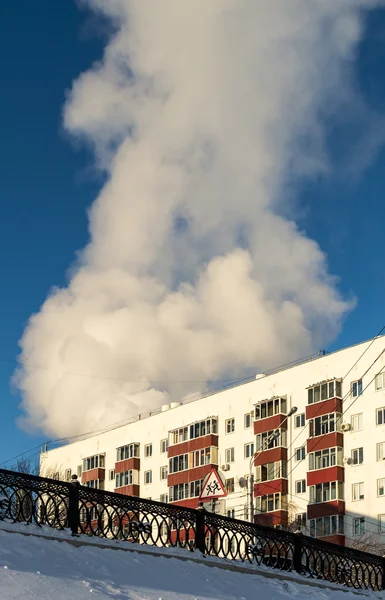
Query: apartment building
(322, 468)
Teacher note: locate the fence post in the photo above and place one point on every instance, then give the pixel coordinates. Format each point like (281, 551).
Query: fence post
(383, 573)
(200, 528)
(73, 506)
(297, 558)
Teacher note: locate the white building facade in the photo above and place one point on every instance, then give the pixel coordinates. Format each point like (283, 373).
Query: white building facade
(324, 469)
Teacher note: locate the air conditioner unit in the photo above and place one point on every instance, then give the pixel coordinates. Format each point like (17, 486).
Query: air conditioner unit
(347, 460)
(346, 427)
(225, 467)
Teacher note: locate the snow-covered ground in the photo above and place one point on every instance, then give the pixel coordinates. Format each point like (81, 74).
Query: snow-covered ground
(37, 568)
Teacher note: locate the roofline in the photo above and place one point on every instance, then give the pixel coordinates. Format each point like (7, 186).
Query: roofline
(229, 386)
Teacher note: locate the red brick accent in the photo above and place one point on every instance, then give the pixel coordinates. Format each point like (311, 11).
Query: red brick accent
(270, 487)
(272, 455)
(325, 509)
(334, 539)
(189, 475)
(198, 444)
(278, 517)
(324, 408)
(127, 465)
(93, 474)
(188, 503)
(320, 442)
(324, 475)
(270, 423)
(128, 490)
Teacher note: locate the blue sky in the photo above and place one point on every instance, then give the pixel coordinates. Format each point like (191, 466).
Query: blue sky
(48, 183)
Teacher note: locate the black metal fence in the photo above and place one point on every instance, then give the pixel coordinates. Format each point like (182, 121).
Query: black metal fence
(59, 504)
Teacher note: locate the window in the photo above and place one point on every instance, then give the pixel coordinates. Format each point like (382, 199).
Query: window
(163, 446)
(112, 474)
(324, 492)
(324, 391)
(322, 459)
(93, 462)
(124, 478)
(247, 420)
(300, 486)
(179, 435)
(181, 491)
(269, 408)
(148, 477)
(380, 416)
(271, 502)
(95, 484)
(202, 428)
(128, 451)
(178, 463)
(229, 453)
(300, 420)
(206, 456)
(265, 441)
(380, 450)
(300, 453)
(380, 381)
(249, 450)
(273, 470)
(356, 388)
(148, 450)
(300, 519)
(381, 523)
(357, 491)
(357, 422)
(230, 425)
(324, 526)
(231, 513)
(68, 474)
(359, 526)
(380, 487)
(164, 498)
(163, 473)
(79, 471)
(230, 485)
(325, 424)
(358, 456)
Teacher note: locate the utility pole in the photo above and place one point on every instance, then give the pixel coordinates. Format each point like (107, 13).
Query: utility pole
(251, 496)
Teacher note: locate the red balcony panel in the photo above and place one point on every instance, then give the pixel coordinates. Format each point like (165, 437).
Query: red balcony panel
(188, 503)
(127, 465)
(93, 474)
(320, 442)
(128, 490)
(189, 475)
(324, 475)
(270, 487)
(325, 509)
(278, 517)
(324, 408)
(270, 423)
(198, 444)
(334, 539)
(270, 456)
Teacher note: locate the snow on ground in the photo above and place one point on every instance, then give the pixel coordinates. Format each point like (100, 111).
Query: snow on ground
(37, 568)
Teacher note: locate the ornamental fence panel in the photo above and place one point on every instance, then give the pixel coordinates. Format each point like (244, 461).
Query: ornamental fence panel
(87, 511)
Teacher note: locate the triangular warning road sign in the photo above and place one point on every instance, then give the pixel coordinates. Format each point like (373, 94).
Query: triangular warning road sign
(212, 487)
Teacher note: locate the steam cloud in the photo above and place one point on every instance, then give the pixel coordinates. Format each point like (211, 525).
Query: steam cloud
(203, 114)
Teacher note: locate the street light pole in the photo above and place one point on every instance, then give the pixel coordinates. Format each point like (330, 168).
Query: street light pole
(275, 435)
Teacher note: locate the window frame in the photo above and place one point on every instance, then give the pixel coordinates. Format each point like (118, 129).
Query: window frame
(248, 450)
(381, 411)
(359, 451)
(380, 376)
(356, 388)
(302, 451)
(148, 477)
(301, 488)
(230, 425)
(230, 452)
(359, 417)
(358, 492)
(302, 421)
(163, 473)
(358, 521)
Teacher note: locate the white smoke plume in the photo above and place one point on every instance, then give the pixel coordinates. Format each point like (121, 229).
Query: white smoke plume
(204, 114)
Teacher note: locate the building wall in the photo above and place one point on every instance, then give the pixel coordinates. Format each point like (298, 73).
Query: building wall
(291, 383)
